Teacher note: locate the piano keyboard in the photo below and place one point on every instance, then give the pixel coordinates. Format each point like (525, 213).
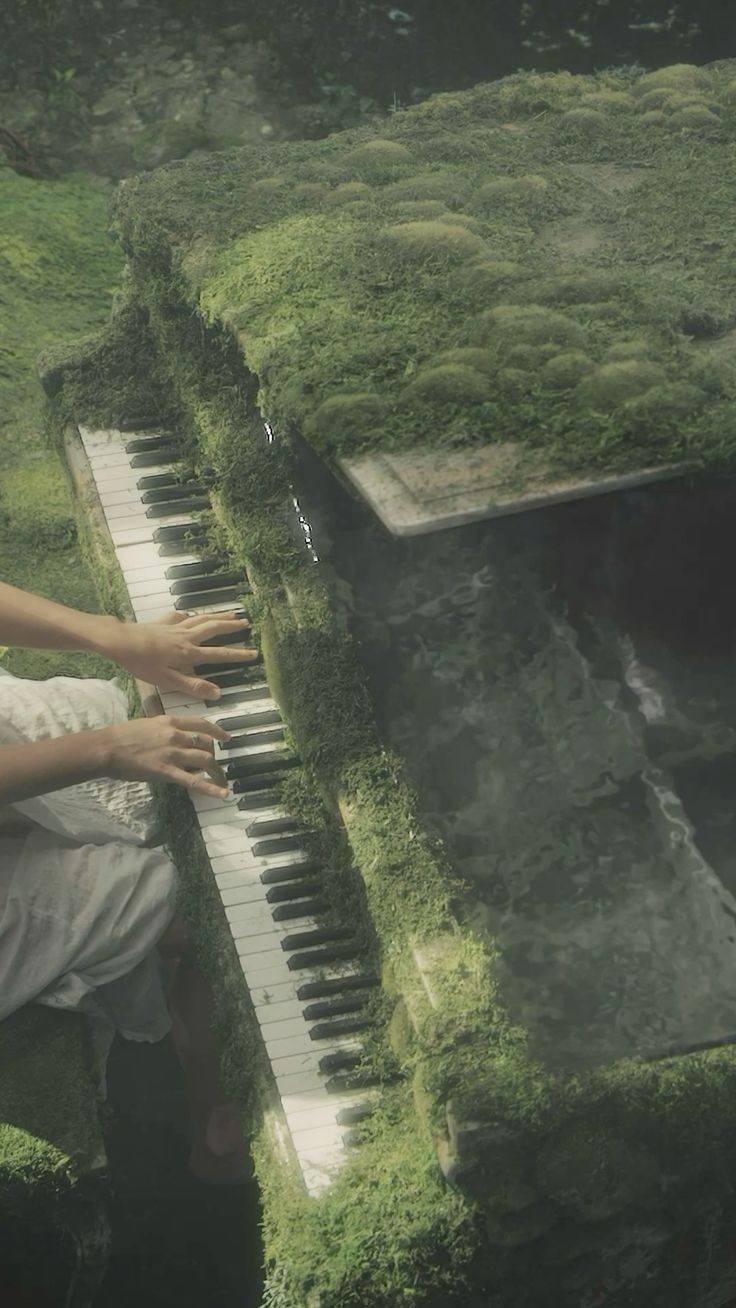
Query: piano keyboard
(305, 979)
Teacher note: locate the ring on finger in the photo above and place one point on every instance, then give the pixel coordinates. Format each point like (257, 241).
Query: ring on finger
(195, 739)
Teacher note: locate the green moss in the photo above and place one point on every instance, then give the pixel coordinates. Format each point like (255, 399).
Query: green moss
(510, 324)
(596, 1172)
(345, 418)
(679, 77)
(565, 370)
(613, 383)
(58, 271)
(469, 357)
(49, 1132)
(448, 383)
(378, 157)
(427, 240)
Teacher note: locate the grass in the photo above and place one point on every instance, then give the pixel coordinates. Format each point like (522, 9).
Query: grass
(58, 269)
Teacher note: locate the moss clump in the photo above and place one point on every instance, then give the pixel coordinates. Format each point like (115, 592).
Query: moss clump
(595, 1172)
(694, 117)
(672, 403)
(634, 347)
(608, 102)
(470, 356)
(526, 189)
(347, 418)
(346, 192)
(427, 240)
(515, 324)
(378, 157)
(678, 77)
(443, 184)
(565, 370)
(611, 384)
(449, 383)
(583, 123)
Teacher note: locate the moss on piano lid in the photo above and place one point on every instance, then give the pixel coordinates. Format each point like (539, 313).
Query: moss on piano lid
(562, 220)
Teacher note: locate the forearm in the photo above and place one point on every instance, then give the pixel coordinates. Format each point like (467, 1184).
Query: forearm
(30, 622)
(42, 765)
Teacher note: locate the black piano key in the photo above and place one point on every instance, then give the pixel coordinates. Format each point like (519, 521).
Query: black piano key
(272, 826)
(226, 675)
(342, 1060)
(170, 549)
(166, 454)
(231, 637)
(300, 908)
(342, 1026)
(179, 531)
(325, 1008)
(250, 785)
(278, 844)
(256, 690)
(205, 567)
(355, 1113)
(317, 936)
(173, 494)
(241, 721)
(284, 891)
(259, 799)
(243, 663)
(201, 598)
(140, 421)
(273, 876)
(173, 507)
(157, 479)
(255, 765)
(142, 444)
(274, 736)
(321, 957)
(359, 1079)
(335, 985)
(203, 579)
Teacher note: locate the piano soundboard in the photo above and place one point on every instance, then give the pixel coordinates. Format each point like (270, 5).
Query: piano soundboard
(306, 982)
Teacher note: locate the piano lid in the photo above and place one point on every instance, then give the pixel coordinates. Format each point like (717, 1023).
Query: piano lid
(429, 489)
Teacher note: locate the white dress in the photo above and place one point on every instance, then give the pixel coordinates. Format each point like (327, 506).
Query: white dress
(86, 890)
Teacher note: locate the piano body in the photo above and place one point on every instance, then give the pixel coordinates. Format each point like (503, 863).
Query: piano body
(471, 903)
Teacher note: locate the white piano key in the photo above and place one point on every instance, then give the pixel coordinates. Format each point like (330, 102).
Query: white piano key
(132, 557)
(267, 996)
(318, 1138)
(287, 1029)
(310, 1117)
(300, 1082)
(250, 925)
(281, 1011)
(215, 819)
(308, 1060)
(260, 967)
(112, 498)
(300, 1043)
(230, 841)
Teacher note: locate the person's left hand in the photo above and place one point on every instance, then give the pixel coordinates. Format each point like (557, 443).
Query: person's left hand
(165, 652)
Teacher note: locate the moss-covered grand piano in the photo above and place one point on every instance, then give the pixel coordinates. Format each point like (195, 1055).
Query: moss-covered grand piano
(489, 749)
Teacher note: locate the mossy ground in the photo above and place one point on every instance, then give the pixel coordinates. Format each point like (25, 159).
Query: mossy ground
(57, 271)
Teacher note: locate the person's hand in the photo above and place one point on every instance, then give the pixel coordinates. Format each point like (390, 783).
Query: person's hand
(161, 749)
(165, 652)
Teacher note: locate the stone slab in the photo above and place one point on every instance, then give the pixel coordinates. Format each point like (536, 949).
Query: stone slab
(426, 489)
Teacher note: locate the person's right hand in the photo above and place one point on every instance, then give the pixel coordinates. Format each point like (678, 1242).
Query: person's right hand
(160, 749)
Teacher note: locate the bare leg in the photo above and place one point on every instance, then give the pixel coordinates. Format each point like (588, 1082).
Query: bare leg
(218, 1152)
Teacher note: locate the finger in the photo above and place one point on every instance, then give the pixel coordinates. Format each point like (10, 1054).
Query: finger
(198, 760)
(195, 686)
(207, 626)
(201, 725)
(193, 782)
(234, 653)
